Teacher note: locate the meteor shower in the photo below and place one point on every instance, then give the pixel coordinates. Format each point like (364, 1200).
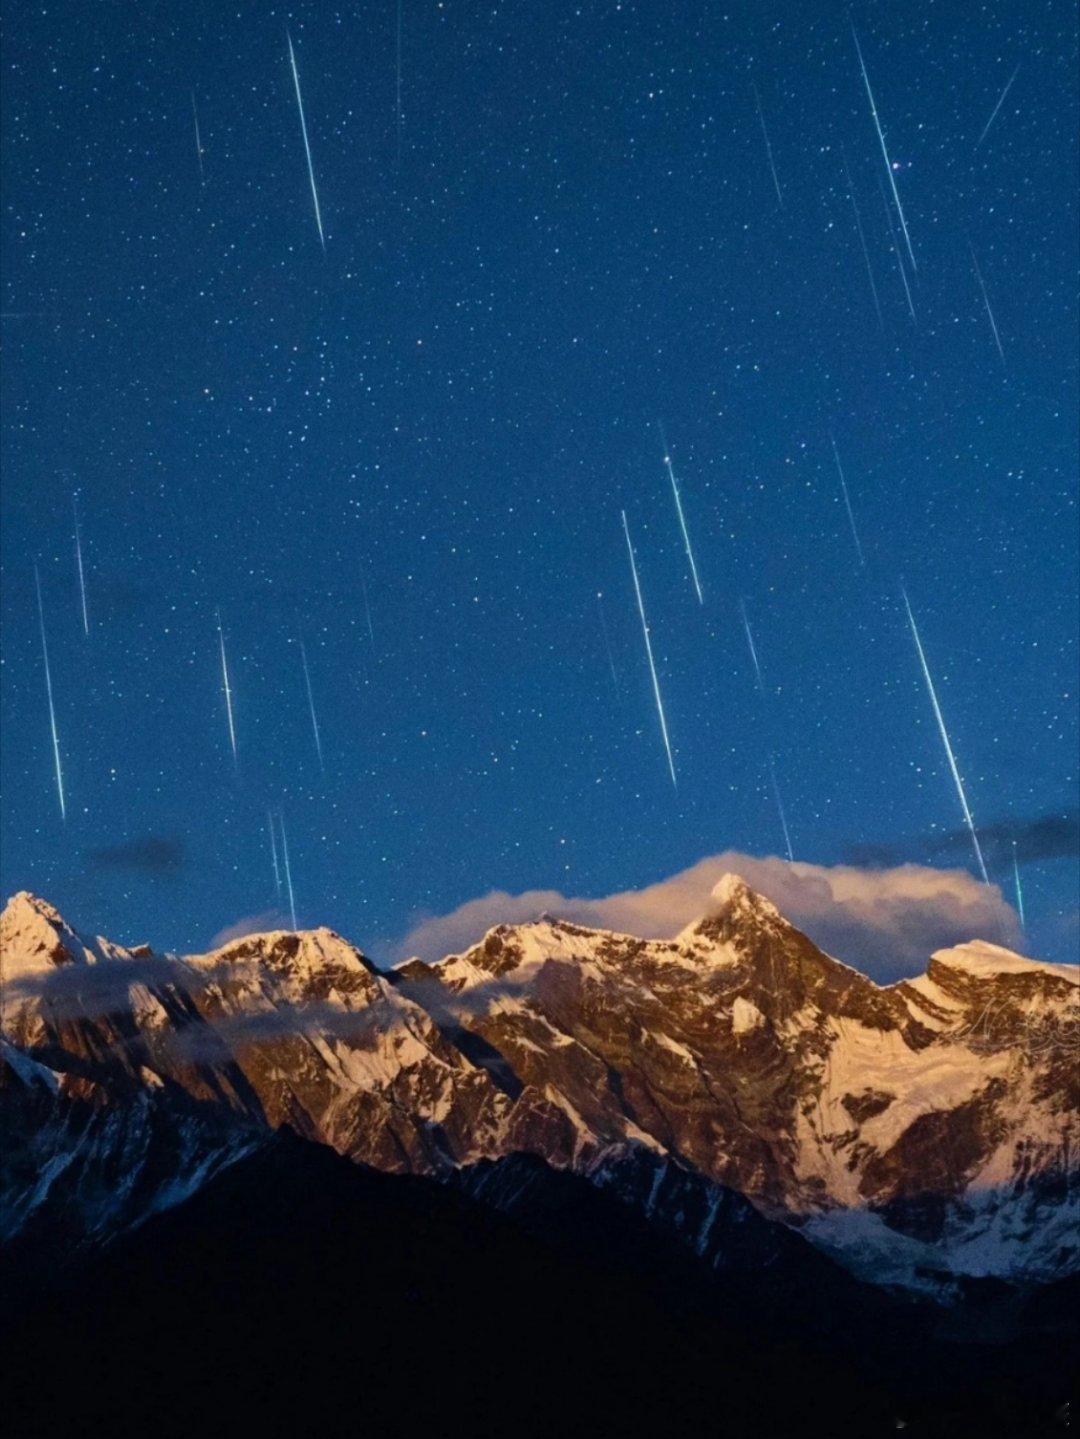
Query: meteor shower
(539, 812)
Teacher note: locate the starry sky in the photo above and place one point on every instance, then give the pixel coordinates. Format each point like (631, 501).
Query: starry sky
(548, 227)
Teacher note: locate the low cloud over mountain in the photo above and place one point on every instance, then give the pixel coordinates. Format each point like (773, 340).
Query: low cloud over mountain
(885, 921)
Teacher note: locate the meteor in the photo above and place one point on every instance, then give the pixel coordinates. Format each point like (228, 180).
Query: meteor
(945, 739)
(986, 302)
(649, 653)
(288, 871)
(768, 146)
(607, 640)
(79, 564)
(307, 146)
(1019, 890)
(228, 690)
(753, 648)
(780, 808)
(771, 762)
(367, 608)
(884, 150)
(311, 703)
(679, 511)
(847, 502)
(997, 107)
(862, 238)
(198, 139)
(273, 851)
(896, 253)
(49, 693)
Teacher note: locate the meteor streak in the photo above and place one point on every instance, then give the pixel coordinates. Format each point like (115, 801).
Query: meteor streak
(986, 302)
(682, 517)
(288, 871)
(649, 653)
(997, 107)
(753, 649)
(607, 640)
(884, 150)
(228, 691)
(307, 146)
(896, 253)
(771, 762)
(945, 740)
(847, 503)
(1019, 890)
(780, 809)
(273, 851)
(198, 140)
(862, 238)
(768, 146)
(311, 703)
(79, 565)
(49, 693)
(367, 608)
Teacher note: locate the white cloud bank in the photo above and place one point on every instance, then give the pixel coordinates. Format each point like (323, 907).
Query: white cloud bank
(264, 923)
(885, 922)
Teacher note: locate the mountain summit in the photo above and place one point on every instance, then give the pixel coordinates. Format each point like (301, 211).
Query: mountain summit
(922, 1127)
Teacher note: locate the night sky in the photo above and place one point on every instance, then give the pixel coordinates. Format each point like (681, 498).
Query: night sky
(568, 232)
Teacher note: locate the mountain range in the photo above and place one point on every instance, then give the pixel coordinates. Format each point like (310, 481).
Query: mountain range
(732, 1106)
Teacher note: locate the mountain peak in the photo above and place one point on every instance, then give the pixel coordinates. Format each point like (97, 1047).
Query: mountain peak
(734, 908)
(732, 894)
(35, 936)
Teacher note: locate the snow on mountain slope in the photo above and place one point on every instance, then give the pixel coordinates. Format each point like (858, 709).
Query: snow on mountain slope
(927, 1124)
(943, 1107)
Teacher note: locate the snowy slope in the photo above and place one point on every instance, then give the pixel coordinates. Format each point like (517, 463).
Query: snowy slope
(922, 1126)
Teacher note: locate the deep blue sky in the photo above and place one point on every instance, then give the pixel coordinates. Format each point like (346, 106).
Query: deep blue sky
(451, 405)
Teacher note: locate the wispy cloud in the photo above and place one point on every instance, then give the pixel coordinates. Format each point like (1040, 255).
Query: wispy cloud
(1037, 838)
(149, 854)
(886, 922)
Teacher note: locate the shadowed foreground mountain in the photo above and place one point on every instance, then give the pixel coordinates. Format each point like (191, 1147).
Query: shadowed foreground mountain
(656, 1176)
(296, 1293)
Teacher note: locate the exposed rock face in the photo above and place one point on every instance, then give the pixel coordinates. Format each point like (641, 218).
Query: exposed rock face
(927, 1124)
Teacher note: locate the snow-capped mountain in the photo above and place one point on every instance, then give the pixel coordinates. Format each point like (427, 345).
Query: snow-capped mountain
(924, 1126)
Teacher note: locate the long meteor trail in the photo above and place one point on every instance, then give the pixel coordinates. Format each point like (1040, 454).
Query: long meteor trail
(847, 503)
(79, 565)
(760, 683)
(679, 511)
(273, 851)
(862, 238)
(307, 145)
(986, 302)
(896, 253)
(945, 739)
(768, 145)
(228, 691)
(311, 703)
(649, 653)
(884, 149)
(288, 871)
(49, 693)
(997, 107)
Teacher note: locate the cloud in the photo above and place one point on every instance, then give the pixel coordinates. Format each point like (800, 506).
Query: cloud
(264, 923)
(151, 854)
(94, 991)
(885, 922)
(1038, 838)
